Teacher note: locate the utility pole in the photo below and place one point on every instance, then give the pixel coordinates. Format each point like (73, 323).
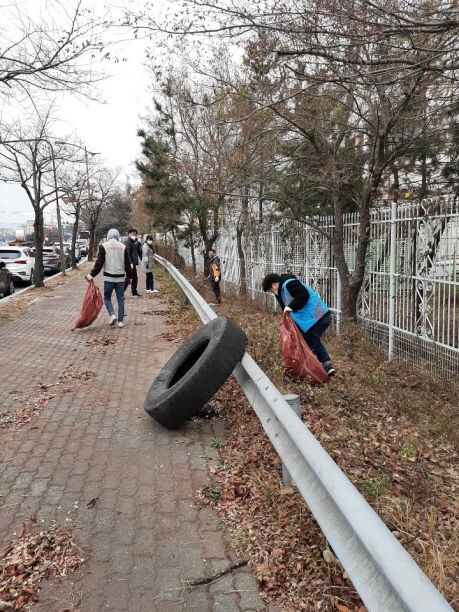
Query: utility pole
(58, 214)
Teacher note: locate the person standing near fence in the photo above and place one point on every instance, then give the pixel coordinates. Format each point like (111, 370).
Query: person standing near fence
(215, 274)
(135, 253)
(147, 263)
(311, 315)
(114, 260)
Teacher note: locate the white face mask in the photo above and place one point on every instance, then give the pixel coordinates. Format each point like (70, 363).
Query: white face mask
(149, 241)
(134, 238)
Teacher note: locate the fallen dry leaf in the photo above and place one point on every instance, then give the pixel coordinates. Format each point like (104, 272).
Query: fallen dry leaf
(342, 608)
(32, 557)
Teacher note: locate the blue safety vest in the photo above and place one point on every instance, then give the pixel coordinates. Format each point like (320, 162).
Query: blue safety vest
(314, 309)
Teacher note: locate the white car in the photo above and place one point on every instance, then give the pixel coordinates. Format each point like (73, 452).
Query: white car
(20, 261)
(83, 246)
(68, 248)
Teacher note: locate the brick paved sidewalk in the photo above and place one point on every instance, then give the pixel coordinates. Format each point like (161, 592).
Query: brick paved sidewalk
(92, 439)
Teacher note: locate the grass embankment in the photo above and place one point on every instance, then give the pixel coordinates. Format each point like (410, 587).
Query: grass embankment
(393, 431)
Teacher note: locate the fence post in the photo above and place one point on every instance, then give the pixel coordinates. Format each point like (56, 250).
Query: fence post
(293, 401)
(392, 277)
(338, 302)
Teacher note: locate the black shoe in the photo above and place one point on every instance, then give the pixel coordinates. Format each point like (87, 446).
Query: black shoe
(327, 365)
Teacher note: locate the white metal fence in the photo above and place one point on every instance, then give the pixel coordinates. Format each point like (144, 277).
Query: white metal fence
(409, 303)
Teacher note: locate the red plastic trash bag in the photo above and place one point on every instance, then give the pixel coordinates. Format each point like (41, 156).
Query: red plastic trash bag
(297, 358)
(92, 304)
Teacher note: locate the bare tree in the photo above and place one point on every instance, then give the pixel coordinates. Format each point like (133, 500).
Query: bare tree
(73, 185)
(52, 52)
(28, 158)
(356, 84)
(188, 123)
(102, 188)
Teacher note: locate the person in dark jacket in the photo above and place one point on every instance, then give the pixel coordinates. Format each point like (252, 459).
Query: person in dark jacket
(135, 254)
(310, 313)
(215, 274)
(114, 260)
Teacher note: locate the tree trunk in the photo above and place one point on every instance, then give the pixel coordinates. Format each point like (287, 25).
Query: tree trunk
(208, 240)
(39, 272)
(176, 257)
(74, 239)
(349, 296)
(423, 193)
(260, 202)
(239, 234)
(193, 254)
(92, 240)
(242, 265)
(350, 283)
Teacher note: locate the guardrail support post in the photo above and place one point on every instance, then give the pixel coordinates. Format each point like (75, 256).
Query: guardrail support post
(293, 401)
(214, 307)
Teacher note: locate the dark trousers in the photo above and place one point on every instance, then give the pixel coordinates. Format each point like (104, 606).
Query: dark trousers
(149, 281)
(135, 280)
(312, 337)
(216, 290)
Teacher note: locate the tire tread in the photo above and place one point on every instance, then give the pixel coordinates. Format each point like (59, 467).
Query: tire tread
(171, 407)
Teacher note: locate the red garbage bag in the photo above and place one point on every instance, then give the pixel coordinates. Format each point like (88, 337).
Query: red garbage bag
(297, 358)
(92, 304)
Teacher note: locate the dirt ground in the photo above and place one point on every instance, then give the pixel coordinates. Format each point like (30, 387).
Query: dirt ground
(394, 433)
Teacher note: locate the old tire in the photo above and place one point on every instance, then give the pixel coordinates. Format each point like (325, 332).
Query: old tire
(195, 372)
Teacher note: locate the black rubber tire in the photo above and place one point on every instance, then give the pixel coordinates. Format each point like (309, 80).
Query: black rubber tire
(195, 372)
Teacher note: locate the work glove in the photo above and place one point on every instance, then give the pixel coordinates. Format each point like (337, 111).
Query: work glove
(88, 277)
(132, 265)
(217, 279)
(287, 309)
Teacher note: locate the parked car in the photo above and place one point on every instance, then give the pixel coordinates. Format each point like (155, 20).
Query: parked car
(20, 261)
(52, 259)
(83, 244)
(68, 249)
(6, 280)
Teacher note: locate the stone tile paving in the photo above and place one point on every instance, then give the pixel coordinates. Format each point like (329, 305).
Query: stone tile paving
(93, 440)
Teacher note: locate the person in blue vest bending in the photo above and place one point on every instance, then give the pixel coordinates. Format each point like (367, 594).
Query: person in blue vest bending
(309, 312)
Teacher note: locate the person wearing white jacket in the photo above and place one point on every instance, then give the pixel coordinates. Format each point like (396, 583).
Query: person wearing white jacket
(114, 260)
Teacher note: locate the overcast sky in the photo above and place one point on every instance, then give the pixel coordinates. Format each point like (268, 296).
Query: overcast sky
(109, 129)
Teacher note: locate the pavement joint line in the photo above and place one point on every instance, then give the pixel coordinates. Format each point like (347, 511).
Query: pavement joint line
(96, 441)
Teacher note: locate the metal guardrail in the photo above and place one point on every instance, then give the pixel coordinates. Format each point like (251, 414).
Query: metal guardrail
(383, 573)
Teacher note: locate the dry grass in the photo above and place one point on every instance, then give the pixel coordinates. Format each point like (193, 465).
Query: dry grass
(392, 430)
